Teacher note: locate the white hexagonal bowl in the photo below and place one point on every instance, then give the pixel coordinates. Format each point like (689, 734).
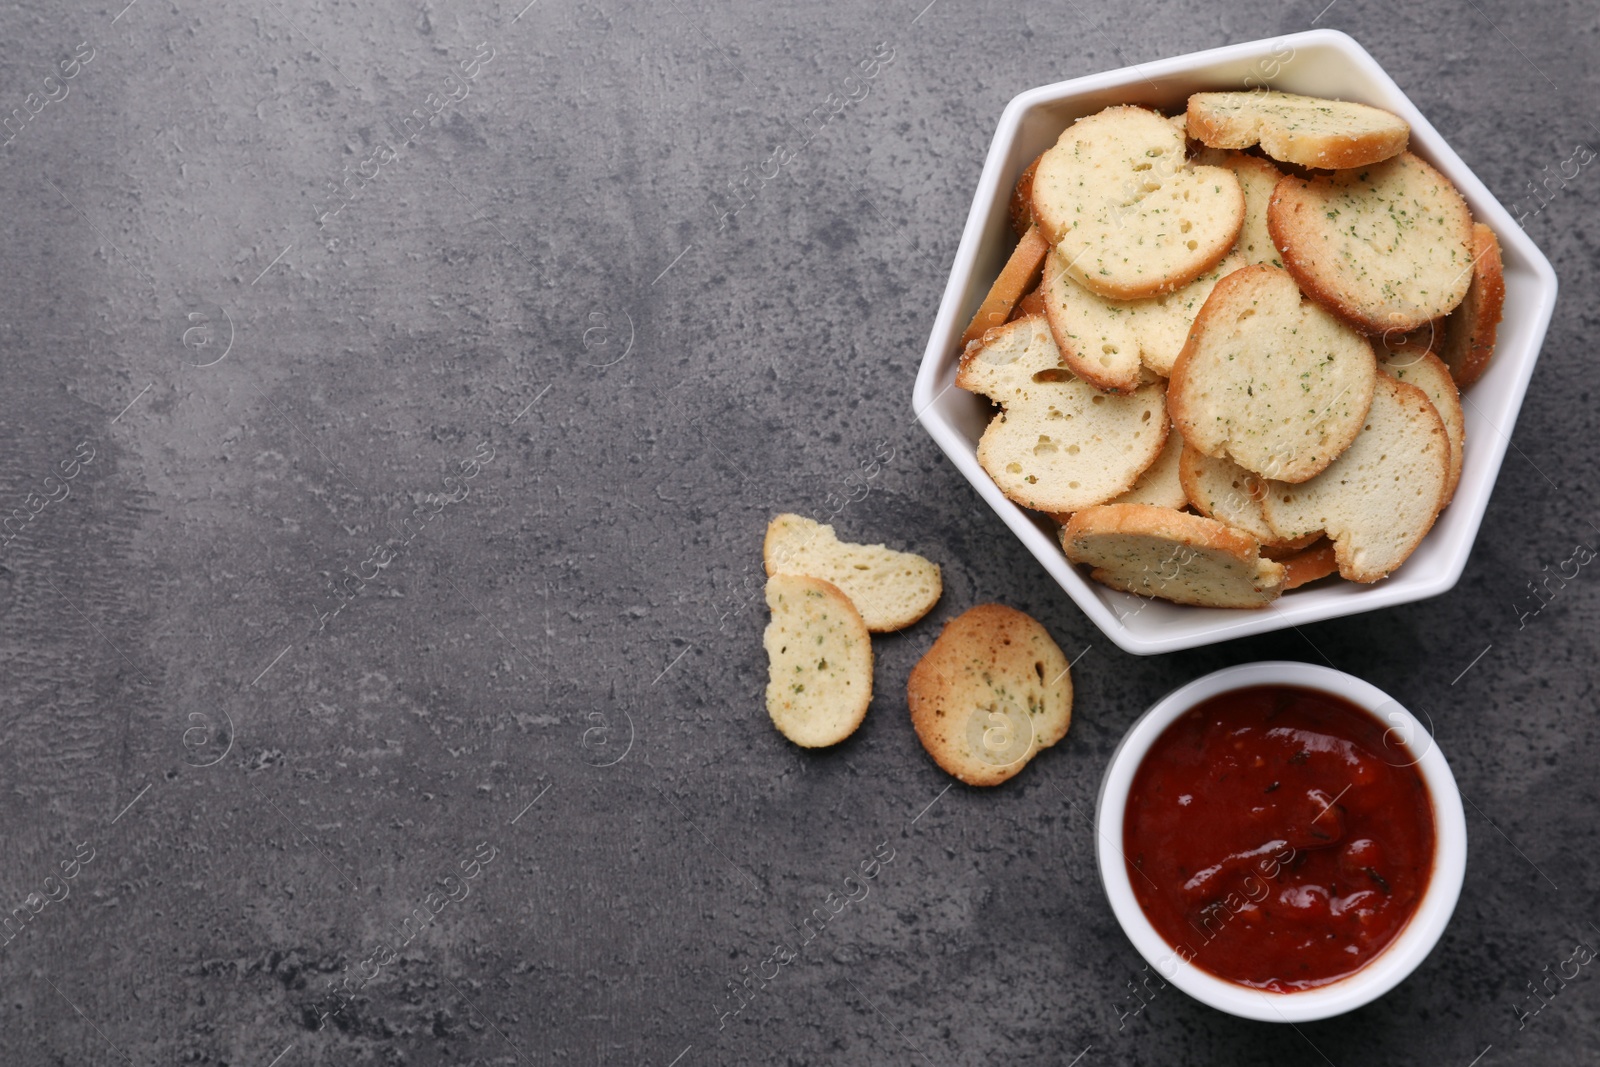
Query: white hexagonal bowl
(1320, 63)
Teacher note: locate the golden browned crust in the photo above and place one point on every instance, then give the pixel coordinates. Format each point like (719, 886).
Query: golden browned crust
(1307, 566)
(1020, 274)
(1022, 198)
(1469, 332)
(992, 691)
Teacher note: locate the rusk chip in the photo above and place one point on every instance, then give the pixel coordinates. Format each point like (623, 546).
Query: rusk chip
(1270, 379)
(992, 691)
(1304, 130)
(1387, 247)
(1129, 215)
(819, 658)
(1157, 552)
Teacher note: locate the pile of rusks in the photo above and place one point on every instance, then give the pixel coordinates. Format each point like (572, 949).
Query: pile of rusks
(1228, 349)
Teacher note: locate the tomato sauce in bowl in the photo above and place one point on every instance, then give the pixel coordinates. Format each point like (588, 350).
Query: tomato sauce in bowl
(1276, 838)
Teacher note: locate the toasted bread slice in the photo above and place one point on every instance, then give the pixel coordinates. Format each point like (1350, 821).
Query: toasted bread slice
(819, 658)
(1469, 333)
(1022, 198)
(890, 589)
(1221, 489)
(1059, 444)
(1378, 500)
(1309, 564)
(992, 691)
(1305, 130)
(1129, 214)
(1157, 552)
(1427, 372)
(1385, 247)
(1270, 379)
(1020, 274)
(1111, 343)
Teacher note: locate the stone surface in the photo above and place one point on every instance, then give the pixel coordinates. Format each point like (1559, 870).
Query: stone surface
(258, 385)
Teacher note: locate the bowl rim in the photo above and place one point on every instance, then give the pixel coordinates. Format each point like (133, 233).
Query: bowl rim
(1384, 971)
(1202, 626)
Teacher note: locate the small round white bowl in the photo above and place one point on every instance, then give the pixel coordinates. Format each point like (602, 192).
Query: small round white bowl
(1412, 743)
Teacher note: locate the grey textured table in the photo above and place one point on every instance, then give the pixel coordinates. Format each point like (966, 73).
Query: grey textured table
(384, 682)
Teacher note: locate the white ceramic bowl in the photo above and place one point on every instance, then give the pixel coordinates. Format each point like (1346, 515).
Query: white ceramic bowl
(1411, 742)
(1320, 63)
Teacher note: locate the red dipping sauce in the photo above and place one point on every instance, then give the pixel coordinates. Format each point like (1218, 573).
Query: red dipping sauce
(1275, 838)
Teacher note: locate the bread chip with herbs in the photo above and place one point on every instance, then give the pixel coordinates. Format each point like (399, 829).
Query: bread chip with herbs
(1387, 248)
(819, 660)
(1221, 489)
(1157, 552)
(1018, 276)
(1305, 130)
(1468, 336)
(1427, 372)
(992, 691)
(1112, 343)
(1128, 214)
(1022, 198)
(1258, 178)
(1309, 565)
(1270, 379)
